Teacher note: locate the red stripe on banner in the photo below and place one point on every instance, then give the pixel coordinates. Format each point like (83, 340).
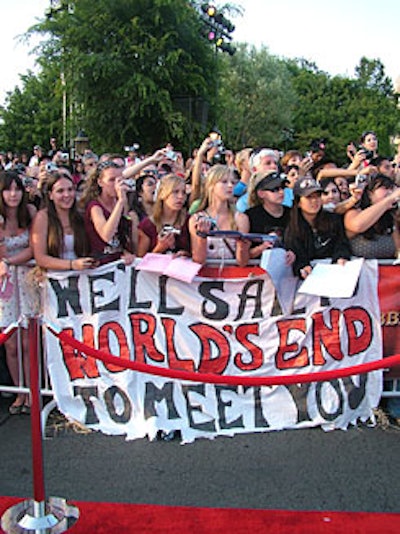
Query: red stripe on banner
(321, 376)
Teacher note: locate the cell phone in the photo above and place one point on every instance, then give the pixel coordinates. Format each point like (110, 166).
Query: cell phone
(99, 256)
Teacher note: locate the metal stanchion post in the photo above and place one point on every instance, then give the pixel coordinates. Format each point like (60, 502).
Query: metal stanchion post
(38, 515)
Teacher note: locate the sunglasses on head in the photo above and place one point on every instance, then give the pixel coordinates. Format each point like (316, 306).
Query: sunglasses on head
(108, 164)
(309, 182)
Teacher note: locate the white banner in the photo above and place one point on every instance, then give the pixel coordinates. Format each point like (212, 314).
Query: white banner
(221, 326)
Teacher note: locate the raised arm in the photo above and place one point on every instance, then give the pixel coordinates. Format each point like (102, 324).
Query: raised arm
(357, 221)
(135, 169)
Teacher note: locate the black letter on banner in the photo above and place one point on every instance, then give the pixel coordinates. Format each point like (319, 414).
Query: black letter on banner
(67, 294)
(209, 426)
(221, 307)
(111, 305)
(299, 393)
(259, 419)
(244, 297)
(133, 303)
(109, 397)
(238, 423)
(86, 393)
(163, 299)
(153, 394)
(355, 394)
(335, 385)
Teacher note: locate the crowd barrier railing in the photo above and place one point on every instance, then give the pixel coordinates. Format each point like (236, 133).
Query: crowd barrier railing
(391, 384)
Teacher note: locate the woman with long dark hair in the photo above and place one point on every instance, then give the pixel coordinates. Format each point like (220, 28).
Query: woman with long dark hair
(372, 224)
(16, 216)
(58, 237)
(314, 233)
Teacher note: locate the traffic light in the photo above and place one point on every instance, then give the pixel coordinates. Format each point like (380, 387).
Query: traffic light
(219, 28)
(226, 47)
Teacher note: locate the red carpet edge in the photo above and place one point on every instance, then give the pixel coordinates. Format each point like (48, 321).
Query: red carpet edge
(108, 518)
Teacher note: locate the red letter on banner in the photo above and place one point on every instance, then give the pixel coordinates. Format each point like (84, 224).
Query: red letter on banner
(144, 341)
(301, 359)
(327, 336)
(358, 341)
(104, 344)
(78, 365)
(209, 336)
(242, 333)
(173, 360)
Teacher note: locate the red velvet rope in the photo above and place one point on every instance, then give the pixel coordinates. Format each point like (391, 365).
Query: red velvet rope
(6, 335)
(208, 378)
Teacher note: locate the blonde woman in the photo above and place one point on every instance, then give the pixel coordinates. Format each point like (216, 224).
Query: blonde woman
(166, 230)
(217, 212)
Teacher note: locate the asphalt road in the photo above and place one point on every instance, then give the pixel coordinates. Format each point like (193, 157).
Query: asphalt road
(356, 470)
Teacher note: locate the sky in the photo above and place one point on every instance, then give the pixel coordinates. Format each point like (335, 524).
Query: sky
(334, 35)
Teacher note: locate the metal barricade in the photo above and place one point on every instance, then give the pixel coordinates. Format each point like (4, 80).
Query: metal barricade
(391, 385)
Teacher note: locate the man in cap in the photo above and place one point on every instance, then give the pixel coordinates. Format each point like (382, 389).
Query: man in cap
(266, 215)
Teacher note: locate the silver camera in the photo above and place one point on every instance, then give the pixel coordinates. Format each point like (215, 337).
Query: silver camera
(133, 148)
(51, 167)
(361, 180)
(130, 182)
(169, 229)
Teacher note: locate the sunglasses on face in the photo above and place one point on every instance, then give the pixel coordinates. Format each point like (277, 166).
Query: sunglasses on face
(276, 189)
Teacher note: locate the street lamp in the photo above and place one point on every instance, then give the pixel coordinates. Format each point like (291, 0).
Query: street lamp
(81, 143)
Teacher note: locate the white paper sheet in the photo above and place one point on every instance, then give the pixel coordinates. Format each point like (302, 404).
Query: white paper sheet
(333, 280)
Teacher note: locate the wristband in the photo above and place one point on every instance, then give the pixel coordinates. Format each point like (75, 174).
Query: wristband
(5, 260)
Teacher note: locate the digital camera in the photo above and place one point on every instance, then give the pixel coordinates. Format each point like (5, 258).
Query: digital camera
(171, 155)
(27, 181)
(132, 148)
(50, 167)
(130, 182)
(368, 153)
(361, 180)
(169, 229)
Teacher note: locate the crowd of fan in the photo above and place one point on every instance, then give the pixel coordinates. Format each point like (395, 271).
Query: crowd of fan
(133, 204)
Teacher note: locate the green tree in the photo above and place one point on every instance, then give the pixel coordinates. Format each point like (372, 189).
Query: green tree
(340, 109)
(125, 64)
(256, 99)
(31, 114)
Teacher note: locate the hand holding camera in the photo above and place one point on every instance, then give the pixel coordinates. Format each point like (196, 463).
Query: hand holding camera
(361, 181)
(166, 238)
(204, 224)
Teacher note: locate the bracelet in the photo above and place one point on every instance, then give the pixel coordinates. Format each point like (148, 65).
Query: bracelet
(5, 260)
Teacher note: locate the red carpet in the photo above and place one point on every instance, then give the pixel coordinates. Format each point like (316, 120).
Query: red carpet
(102, 518)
